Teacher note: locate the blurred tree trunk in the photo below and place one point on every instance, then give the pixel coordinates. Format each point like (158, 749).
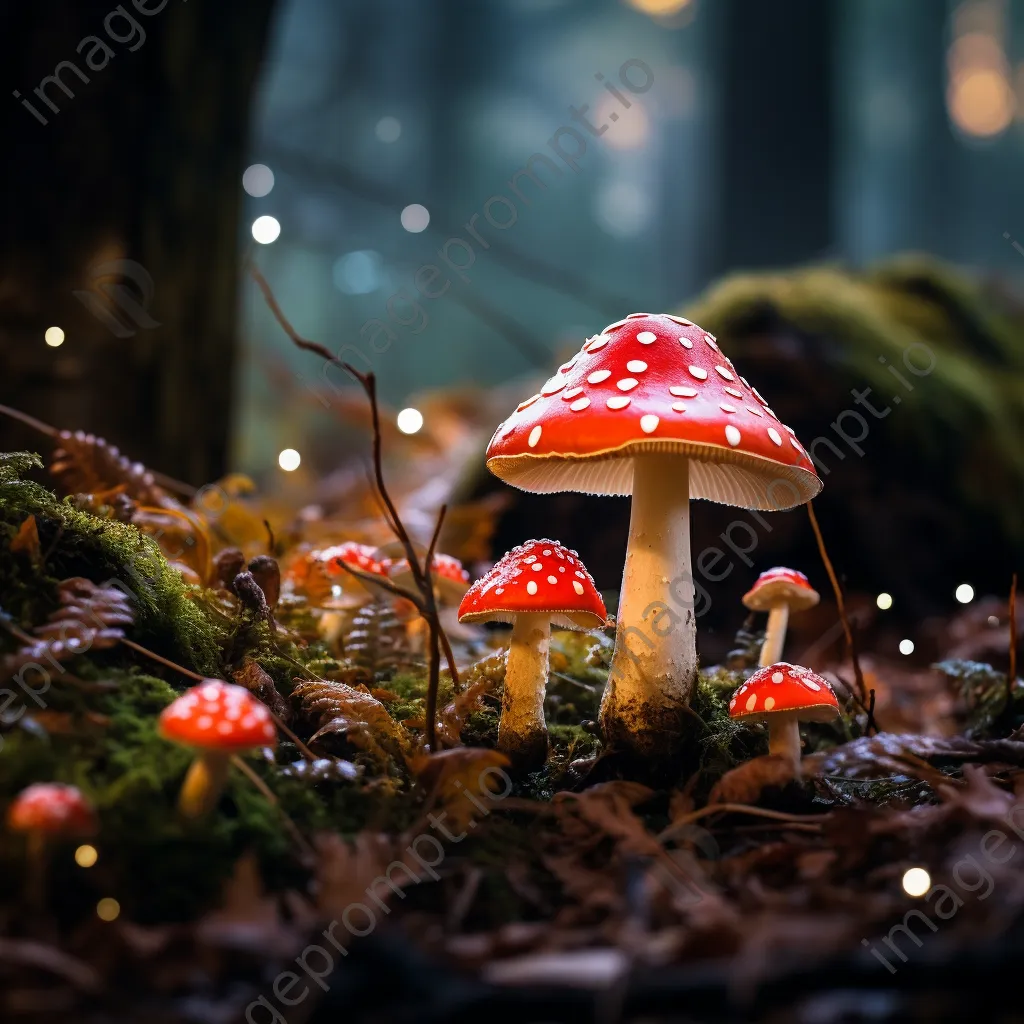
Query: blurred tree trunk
(140, 163)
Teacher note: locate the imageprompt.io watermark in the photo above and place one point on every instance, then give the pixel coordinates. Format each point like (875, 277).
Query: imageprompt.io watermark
(123, 310)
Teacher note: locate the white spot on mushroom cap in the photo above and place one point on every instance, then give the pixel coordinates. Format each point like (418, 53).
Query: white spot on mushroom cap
(679, 407)
(699, 372)
(726, 407)
(531, 587)
(534, 436)
(649, 423)
(552, 579)
(732, 435)
(733, 392)
(751, 702)
(568, 396)
(774, 435)
(537, 567)
(627, 383)
(499, 590)
(769, 703)
(553, 386)
(793, 441)
(525, 405)
(204, 722)
(617, 402)
(224, 728)
(686, 343)
(777, 677)
(547, 552)
(566, 367)
(599, 342)
(646, 337)
(599, 375)
(810, 684)
(580, 404)
(577, 586)
(753, 409)
(636, 366)
(680, 320)
(710, 339)
(724, 373)
(529, 559)
(683, 392)
(268, 731)
(211, 692)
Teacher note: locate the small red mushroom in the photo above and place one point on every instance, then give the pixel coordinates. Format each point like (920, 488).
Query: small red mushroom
(778, 591)
(533, 586)
(349, 590)
(653, 408)
(46, 811)
(784, 695)
(218, 720)
(451, 580)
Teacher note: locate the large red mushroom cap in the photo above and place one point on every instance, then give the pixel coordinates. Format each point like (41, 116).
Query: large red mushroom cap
(653, 383)
(785, 688)
(52, 808)
(215, 715)
(781, 586)
(540, 576)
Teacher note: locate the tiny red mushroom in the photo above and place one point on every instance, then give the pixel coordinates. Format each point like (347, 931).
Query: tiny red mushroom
(361, 557)
(451, 580)
(778, 591)
(46, 811)
(218, 720)
(784, 695)
(651, 407)
(533, 586)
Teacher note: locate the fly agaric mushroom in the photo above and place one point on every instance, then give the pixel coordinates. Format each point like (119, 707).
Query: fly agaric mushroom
(451, 580)
(533, 586)
(784, 695)
(44, 811)
(652, 408)
(364, 559)
(218, 720)
(778, 591)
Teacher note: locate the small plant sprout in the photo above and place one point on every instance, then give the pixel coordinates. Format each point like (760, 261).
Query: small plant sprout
(779, 591)
(218, 720)
(534, 586)
(651, 407)
(784, 695)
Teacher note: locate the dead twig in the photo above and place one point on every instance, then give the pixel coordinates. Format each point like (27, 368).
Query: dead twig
(422, 575)
(1011, 675)
(841, 605)
(757, 812)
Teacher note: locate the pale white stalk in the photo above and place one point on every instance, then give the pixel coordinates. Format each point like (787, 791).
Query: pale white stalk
(775, 635)
(522, 731)
(784, 738)
(655, 660)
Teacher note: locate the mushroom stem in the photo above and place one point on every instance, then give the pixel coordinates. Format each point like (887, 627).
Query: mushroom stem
(775, 635)
(203, 784)
(522, 731)
(36, 870)
(655, 661)
(784, 738)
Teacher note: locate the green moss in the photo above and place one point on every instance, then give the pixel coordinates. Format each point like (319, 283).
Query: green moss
(170, 616)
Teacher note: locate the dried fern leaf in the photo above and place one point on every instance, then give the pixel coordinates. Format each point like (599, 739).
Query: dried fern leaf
(376, 642)
(85, 464)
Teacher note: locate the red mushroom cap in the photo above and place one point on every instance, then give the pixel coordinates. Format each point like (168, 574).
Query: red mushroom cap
(653, 383)
(538, 576)
(358, 556)
(451, 580)
(779, 585)
(784, 687)
(53, 808)
(216, 715)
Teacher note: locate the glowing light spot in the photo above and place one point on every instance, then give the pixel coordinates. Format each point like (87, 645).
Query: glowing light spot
(388, 129)
(54, 337)
(266, 229)
(289, 460)
(658, 8)
(86, 856)
(258, 180)
(410, 421)
(916, 881)
(906, 647)
(964, 593)
(415, 218)
(884, 601)
(981, 102)
(108, 909)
